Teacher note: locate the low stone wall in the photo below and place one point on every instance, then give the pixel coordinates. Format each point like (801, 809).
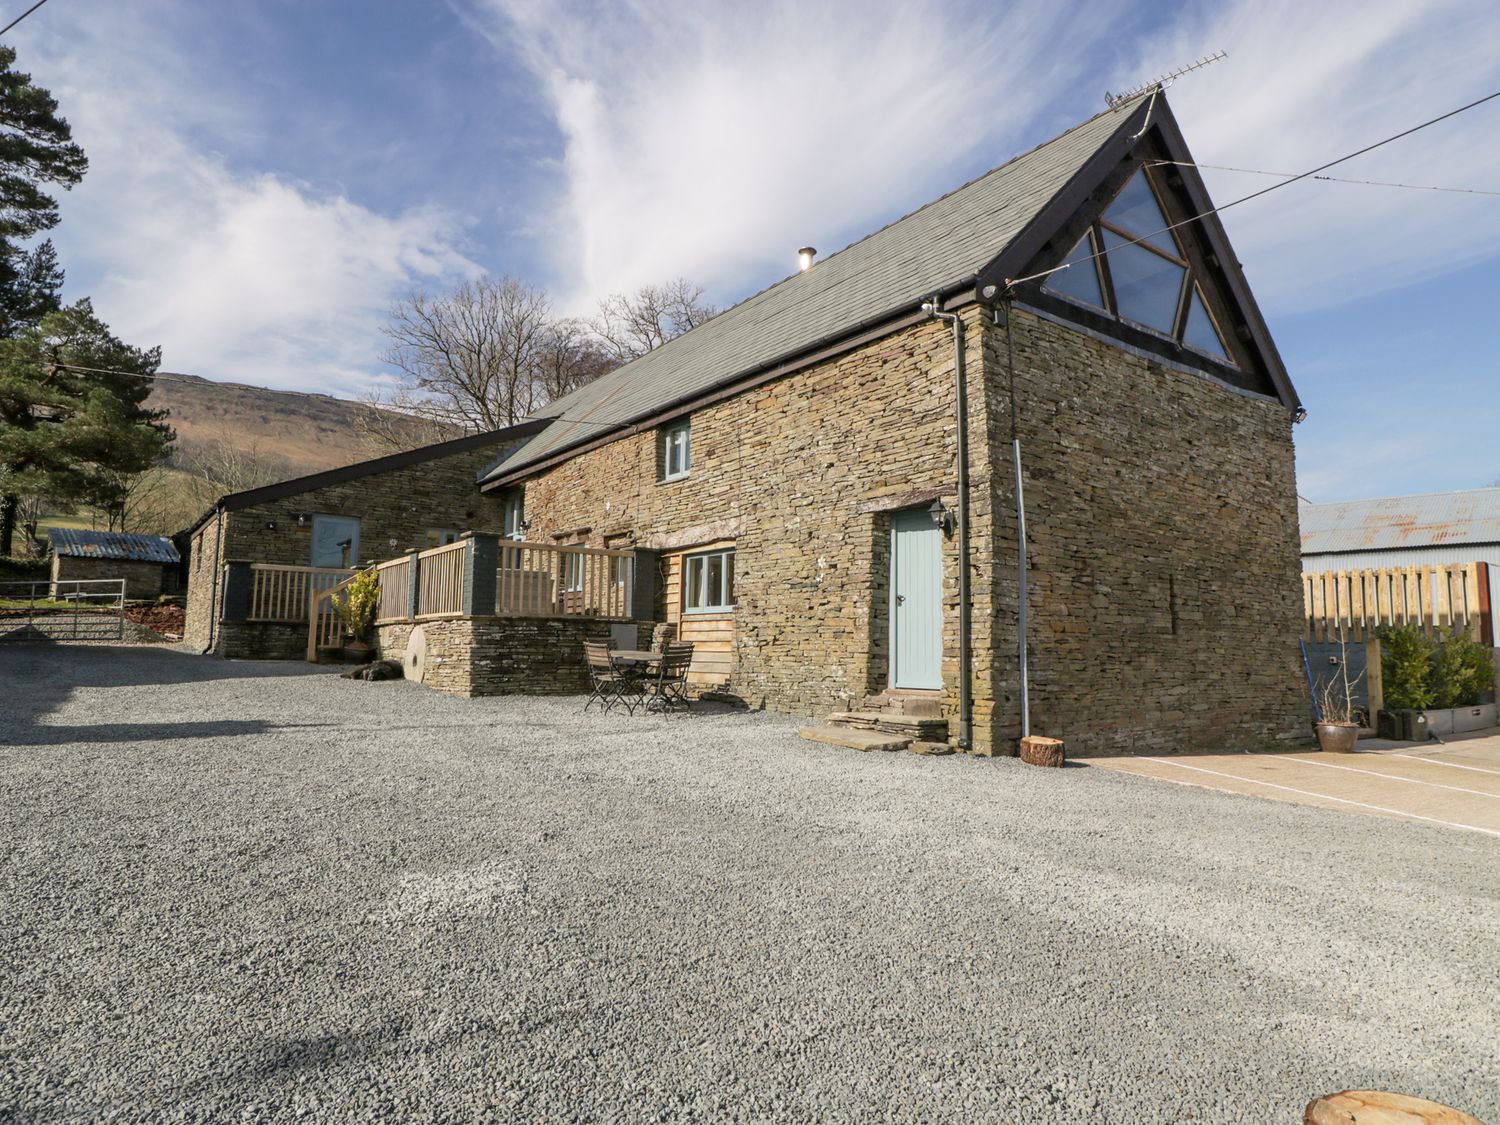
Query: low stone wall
(262, 640)
(143, 580)
(504, 655)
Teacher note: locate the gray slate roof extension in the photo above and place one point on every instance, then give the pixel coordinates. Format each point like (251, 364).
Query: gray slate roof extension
(935, 249)
(74, 543)
(1436, 519)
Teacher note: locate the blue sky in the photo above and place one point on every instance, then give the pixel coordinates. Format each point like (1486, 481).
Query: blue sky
(268, 177)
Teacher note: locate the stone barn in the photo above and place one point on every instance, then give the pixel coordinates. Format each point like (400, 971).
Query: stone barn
(147, 563)
(309, 531)
(825, 480)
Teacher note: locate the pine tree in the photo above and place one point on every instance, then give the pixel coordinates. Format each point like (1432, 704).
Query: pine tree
(74, 434)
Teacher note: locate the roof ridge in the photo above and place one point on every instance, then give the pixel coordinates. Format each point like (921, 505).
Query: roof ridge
(1403, 496)
(1122, 107)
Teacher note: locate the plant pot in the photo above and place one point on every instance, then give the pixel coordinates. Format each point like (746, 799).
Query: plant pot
(1337, 738)
(357, 652)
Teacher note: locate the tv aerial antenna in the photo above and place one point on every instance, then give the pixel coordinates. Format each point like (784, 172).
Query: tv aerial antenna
(1115, 101)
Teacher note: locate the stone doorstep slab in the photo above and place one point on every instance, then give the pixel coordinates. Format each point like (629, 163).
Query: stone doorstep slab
(915, 706)
(855, 739)
(888, 721)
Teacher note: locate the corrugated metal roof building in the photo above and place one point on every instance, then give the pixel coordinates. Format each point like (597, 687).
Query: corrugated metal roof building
(1436, 528)
(147, 563)
(76, 543)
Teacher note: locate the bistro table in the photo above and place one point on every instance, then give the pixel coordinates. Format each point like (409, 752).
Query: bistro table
(635, 666)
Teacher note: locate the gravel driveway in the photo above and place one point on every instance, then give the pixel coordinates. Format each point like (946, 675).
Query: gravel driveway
(245, 891)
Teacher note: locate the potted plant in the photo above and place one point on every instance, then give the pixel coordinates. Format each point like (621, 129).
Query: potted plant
(1338, 719)
(356, 605)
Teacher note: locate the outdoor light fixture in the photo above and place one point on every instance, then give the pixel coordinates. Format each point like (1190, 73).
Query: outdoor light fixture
(942, 516)
(301, 519)
(270, 525)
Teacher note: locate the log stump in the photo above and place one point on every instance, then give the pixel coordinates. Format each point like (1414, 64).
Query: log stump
(1380, 1107)
(1041, 751)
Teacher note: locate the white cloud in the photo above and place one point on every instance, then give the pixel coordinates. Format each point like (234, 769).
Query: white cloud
(1306, 83)
(238, 274)
(713, 139)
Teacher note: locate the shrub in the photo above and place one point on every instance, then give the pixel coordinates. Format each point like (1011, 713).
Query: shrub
(1407, 659)
(359, 601)
(1465, 672)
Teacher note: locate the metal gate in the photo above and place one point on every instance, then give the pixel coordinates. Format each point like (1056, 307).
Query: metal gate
(68, 610)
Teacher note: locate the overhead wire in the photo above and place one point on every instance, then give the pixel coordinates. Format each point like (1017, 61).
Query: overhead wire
(1011, 283)
(1327, 179)
(22, 16)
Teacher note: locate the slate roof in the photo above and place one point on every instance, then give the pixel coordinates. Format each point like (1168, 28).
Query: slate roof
(1436, 519)
(74, 543)
(936, 249)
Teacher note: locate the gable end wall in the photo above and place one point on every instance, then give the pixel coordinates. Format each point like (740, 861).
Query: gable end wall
(1164, 557)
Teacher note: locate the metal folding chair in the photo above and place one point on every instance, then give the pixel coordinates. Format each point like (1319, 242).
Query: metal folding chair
(608, 685)
(669, 684)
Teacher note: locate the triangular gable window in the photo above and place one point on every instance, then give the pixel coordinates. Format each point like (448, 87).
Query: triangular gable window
(1081, 281)
(1201, 332)
(1139, 272)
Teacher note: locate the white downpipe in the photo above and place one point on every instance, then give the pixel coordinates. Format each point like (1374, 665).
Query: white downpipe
(1015, 458)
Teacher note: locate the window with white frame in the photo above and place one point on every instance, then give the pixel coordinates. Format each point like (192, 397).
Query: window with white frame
(513, 514)
(708, 582)
(676, 450)
(573, 564)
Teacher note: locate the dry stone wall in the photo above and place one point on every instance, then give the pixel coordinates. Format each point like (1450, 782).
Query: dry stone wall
(1164, 551)
(803, 474)
(143, 580)
(501, 655)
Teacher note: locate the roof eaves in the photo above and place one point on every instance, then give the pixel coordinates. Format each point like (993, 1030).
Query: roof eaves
(955, 295)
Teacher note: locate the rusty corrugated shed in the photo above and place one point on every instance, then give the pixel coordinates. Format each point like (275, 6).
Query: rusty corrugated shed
(75, 543)
(1436, 519)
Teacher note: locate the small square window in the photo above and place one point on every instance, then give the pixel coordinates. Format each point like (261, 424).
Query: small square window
(676, 450)
(441, 536)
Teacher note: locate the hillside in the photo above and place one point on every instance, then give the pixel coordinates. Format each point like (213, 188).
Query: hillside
(232, 437)
(297, 433)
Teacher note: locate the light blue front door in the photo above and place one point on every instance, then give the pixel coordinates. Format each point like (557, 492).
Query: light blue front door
(335, 540)
(916, 601)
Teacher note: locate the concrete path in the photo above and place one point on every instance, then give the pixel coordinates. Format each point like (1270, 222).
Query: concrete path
(1454, 785)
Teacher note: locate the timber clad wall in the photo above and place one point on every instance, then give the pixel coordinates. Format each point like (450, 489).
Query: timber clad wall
(502, 655)
(395, 509)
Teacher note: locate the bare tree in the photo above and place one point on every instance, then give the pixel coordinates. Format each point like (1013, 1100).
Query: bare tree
(472, 356)
(228, 462)
(630, 325)
(400, 420)
(570, 358)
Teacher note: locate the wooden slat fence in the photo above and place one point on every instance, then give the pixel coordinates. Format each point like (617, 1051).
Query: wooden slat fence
(395, 589)
(1355, 604)
(283, 593)
(440, 580)
(324, 627)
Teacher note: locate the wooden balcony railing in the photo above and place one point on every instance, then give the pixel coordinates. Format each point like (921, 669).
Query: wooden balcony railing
(483, 574)
(544, 580)
(283, 593)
